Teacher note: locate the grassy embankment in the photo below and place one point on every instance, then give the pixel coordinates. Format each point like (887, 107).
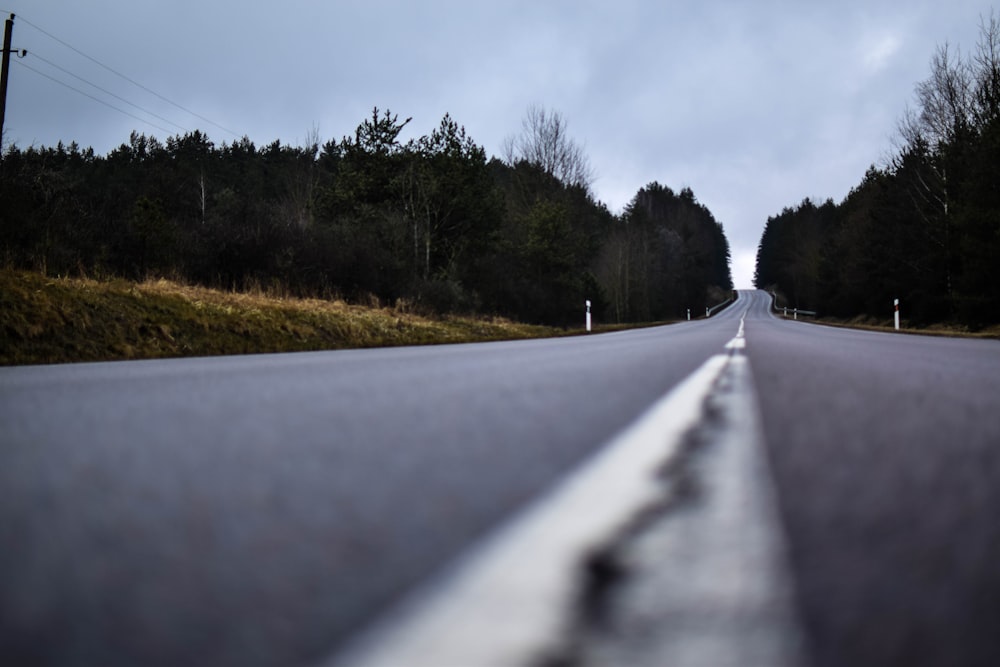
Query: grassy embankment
(53, 320)
(874, 324)
(869, 323)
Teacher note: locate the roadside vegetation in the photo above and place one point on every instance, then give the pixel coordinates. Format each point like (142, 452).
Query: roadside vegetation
(946, 330)
(869, 323)
(53, 320)
(923, 228)
(430, 221)
(886, 324)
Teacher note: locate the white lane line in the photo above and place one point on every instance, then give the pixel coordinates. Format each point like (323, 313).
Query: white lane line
(739, 341)
(708, 581)
(514, 595)
(512, 599)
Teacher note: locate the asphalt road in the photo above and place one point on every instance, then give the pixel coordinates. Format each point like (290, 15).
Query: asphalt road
(885, 450)
(258, 510)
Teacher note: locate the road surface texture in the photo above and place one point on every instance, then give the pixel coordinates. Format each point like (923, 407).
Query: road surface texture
(258, 510)
(263, 510)
(885, 450)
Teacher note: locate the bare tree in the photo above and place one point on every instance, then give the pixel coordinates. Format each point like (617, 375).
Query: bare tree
(945, 118)
(302, 181)
(945, 98)
(544, 142)
(986, 71)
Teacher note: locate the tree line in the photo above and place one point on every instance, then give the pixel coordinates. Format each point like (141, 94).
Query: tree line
(925, 227)
(430, 221)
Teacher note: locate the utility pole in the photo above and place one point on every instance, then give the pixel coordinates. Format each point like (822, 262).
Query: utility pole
(8, 29)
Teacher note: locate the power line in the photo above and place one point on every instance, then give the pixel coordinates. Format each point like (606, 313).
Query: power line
(86, 94)
(130, 80)
(34, 54)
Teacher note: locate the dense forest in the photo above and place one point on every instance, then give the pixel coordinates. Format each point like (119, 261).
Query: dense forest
(925, 227)
(430, 222)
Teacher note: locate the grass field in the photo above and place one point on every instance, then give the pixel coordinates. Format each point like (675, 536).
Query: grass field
(55, 320)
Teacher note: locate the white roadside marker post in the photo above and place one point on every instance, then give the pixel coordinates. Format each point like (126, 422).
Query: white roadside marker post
(689, 314)
(588, 315)
(895, 303)
(795, 314)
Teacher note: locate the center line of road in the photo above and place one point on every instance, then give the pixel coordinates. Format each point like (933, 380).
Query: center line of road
(739, 341)
(514, 598)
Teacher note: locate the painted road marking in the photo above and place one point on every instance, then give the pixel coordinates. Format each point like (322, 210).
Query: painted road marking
(739, 341)
(706, 579)
(511, 598)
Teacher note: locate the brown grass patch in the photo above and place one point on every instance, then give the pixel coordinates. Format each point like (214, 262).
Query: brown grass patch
(51, 320)
(874, 324)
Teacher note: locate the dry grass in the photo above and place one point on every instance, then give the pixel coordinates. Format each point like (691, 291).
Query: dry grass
(942, 329)
(47, 320)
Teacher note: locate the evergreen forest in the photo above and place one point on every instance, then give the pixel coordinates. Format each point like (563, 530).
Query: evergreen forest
(370, 218)
(923, 228)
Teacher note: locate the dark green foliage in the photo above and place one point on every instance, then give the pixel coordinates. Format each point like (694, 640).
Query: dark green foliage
(925, 229)
(370, 218)
(791, 252)
(664, 256)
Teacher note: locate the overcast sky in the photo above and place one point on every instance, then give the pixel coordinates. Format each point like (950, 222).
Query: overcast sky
(753, 105)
